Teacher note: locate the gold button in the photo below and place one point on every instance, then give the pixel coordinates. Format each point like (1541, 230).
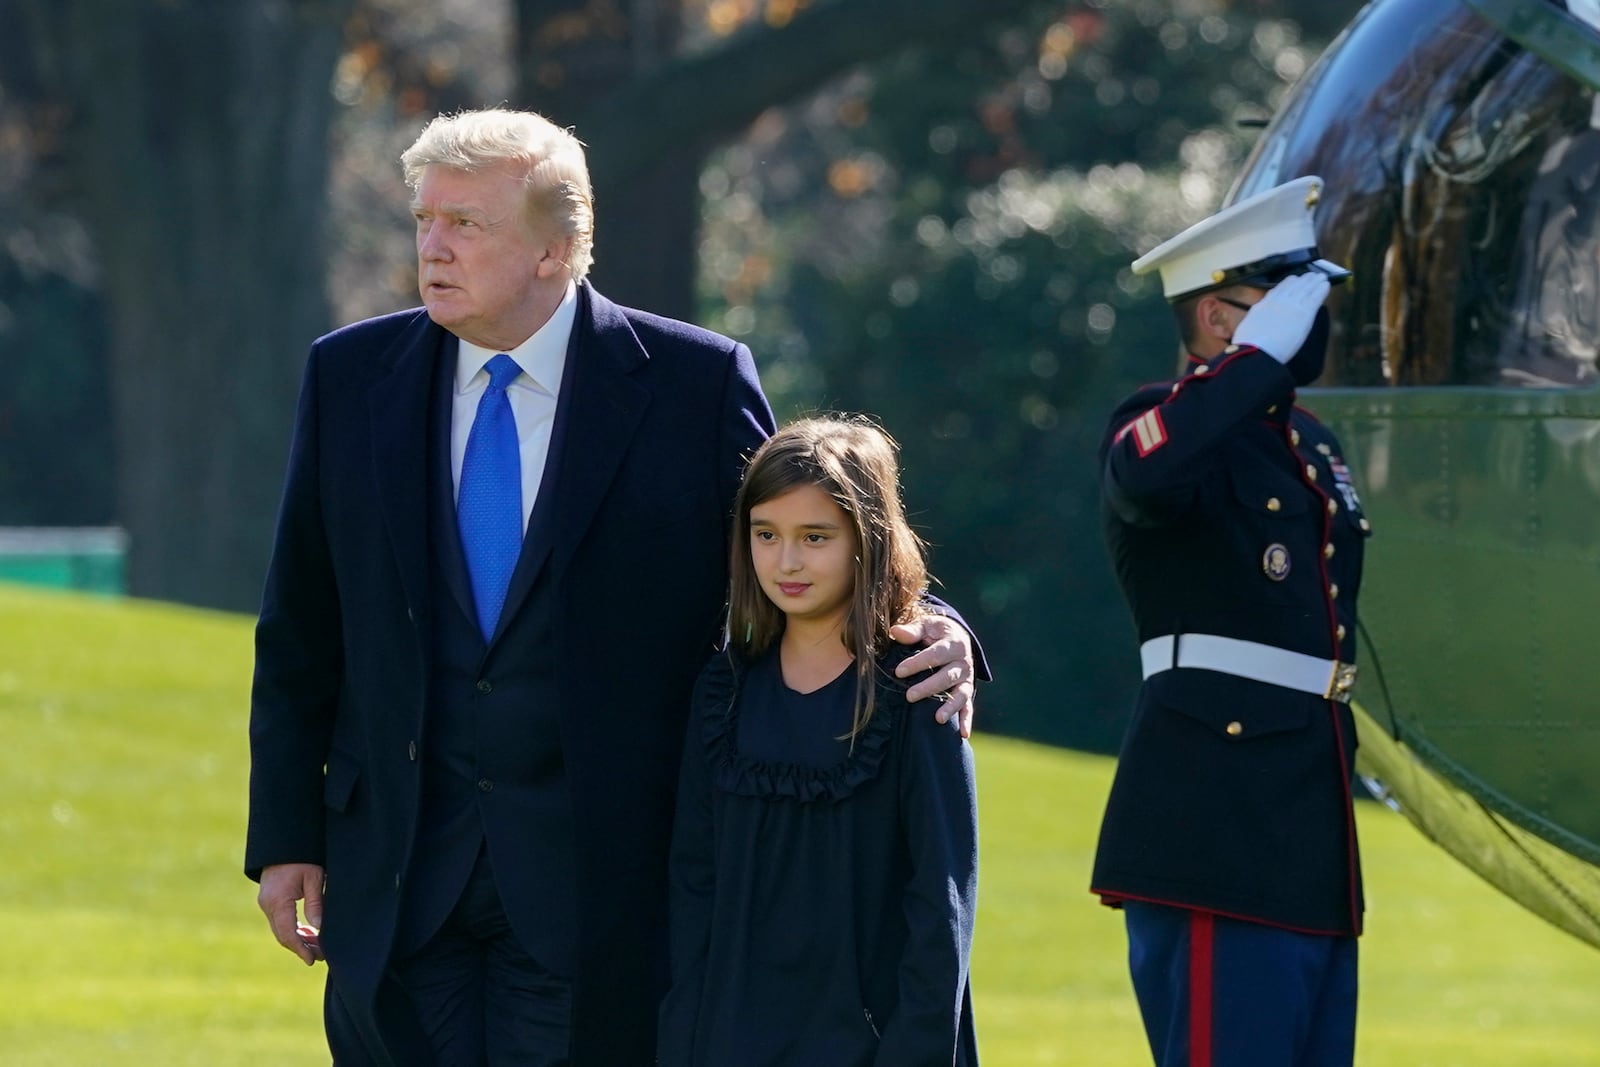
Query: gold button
(1202, 369)
(1333, 590)
(1333, 506)
(1325, 450)
(1327, 550)
(1294, 437)
(1272, 410)
(1341, 631)
(1230, 350)
(1365, 525)
(1218, 275)
(1311, 472)
(1273, 503)
(1174, 387)
(1235, 728)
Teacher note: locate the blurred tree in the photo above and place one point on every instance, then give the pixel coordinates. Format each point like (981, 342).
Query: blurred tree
(652, 86)
(191, 139)
(56, 455)
(404, 62)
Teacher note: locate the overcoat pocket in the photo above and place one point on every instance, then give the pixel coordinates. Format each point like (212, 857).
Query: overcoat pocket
(339, 781)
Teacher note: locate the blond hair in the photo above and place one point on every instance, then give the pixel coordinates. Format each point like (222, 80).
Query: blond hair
(554, 168)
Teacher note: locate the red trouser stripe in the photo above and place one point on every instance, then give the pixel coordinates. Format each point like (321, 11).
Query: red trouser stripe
(1200, 931)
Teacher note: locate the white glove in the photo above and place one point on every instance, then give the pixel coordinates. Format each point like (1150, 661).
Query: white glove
(1279, 321)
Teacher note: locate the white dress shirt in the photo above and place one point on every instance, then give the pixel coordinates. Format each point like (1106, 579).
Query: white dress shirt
(532, 393)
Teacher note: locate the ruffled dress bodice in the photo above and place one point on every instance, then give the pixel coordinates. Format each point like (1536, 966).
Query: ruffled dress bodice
(776, 742)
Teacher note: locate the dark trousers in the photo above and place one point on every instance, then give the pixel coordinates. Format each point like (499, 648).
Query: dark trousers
(1220, 992)
(471, 996)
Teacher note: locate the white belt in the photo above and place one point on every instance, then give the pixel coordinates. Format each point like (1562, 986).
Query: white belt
(1246, 659)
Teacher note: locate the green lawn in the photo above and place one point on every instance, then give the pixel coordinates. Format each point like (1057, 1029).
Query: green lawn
(134, 939)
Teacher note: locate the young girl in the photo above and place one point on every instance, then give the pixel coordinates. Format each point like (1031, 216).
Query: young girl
(824, 857)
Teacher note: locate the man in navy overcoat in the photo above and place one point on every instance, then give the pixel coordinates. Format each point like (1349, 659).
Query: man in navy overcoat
(472, 795)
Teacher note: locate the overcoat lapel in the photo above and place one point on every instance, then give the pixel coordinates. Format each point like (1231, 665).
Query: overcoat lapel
(398, 409)
(597, 413)
(445, 529)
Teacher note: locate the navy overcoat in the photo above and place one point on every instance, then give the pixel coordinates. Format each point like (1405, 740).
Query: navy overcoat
(572, 716)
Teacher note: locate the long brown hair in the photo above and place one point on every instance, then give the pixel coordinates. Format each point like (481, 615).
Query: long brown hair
(853, 461)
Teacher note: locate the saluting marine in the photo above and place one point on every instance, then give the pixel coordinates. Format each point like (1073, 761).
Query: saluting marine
(1236, 533)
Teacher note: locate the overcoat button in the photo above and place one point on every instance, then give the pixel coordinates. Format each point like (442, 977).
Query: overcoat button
(1341, 631)
(1333, 590)
(1294, 437)
(1365, 525)
(1273, 503)
(1327, 550)
(484, 686)
(411, 749)
(1235, 728)
(485, 785)
(1333, 506)
(1202, 369)
(1311, 472)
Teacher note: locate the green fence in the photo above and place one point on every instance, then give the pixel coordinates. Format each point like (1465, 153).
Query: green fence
(87, 558)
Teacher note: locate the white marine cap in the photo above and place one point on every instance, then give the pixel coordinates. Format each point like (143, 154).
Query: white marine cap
(1259, 242)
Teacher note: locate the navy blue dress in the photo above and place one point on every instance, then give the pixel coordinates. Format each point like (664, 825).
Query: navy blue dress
(822, 894)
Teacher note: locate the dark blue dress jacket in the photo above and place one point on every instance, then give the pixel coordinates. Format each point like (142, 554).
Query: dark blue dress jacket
(1230, 512)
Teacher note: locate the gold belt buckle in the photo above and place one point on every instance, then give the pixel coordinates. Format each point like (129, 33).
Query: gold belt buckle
(1343, 680)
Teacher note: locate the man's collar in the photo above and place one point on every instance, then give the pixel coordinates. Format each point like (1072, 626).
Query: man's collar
(542, 356)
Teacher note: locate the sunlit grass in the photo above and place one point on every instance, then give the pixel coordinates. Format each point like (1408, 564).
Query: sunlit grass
(133, 939)
(1453, 974)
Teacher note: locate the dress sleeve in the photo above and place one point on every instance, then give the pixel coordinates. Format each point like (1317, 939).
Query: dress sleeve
(746, 421)
(938, 812)
(1161, 442)
(692, 887)
(980, 663)
(299, 663)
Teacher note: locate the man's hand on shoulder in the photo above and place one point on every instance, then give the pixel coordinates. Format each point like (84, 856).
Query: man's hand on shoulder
(283, 886)
(947, 656)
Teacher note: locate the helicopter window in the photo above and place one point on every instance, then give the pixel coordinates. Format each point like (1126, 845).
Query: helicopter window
(1484, 269)
(1463, 189)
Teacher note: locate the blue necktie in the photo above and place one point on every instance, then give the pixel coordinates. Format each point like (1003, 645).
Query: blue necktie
(489, 504)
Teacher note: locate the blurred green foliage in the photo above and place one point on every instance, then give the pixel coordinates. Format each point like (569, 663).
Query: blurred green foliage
(943, 240)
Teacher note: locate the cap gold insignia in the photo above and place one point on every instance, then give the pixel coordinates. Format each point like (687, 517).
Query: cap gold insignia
(1218, 275)
(1275, 562)
(1313, 196)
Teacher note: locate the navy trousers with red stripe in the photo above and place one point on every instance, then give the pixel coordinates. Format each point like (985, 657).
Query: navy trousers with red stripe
(1219, 992)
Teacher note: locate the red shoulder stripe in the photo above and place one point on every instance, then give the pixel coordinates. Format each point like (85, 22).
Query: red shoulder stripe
(1149, 432)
